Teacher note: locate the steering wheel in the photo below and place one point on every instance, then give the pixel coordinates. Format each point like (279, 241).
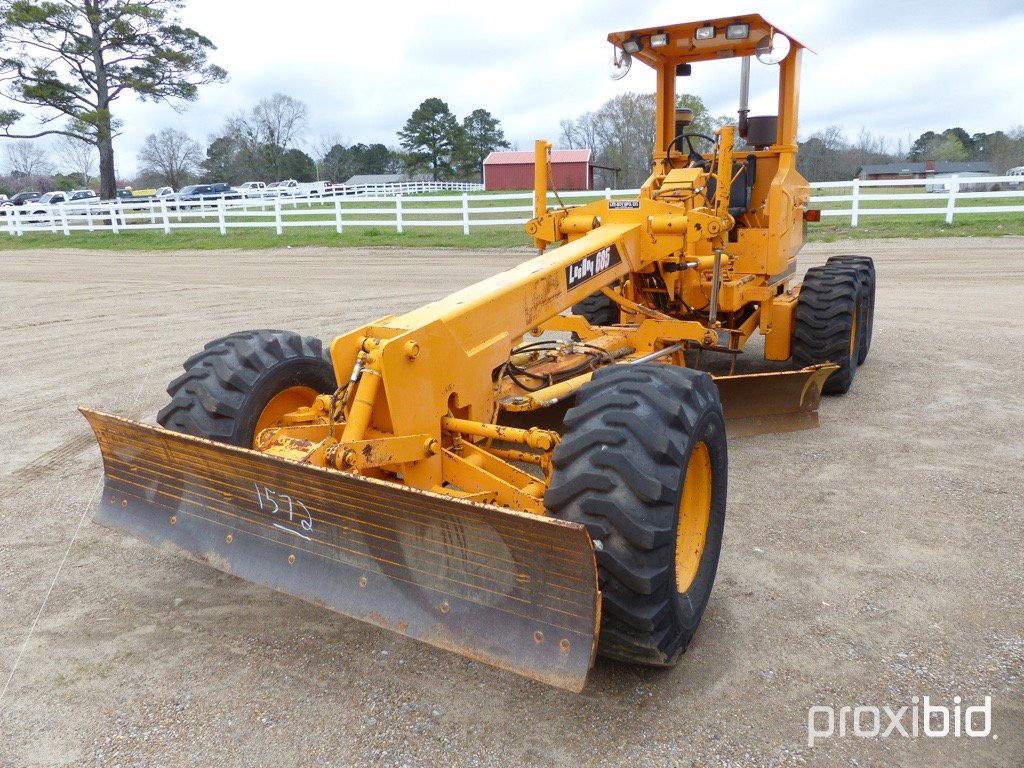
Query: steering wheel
(693, 155)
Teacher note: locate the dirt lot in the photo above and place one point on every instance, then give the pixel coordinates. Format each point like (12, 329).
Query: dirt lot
(870, 561)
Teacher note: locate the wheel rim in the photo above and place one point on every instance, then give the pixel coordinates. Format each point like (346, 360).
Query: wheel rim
(284, 402)
(694, 517)
(853, 332)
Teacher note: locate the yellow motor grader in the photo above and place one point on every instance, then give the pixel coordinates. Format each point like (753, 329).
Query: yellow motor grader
(533, 469)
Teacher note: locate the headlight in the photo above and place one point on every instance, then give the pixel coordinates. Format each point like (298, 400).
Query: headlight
(632, 45)
(705, 33)
(737, 31)
(659, 40)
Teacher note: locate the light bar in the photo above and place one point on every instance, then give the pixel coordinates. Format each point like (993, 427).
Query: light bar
(659, 41)
(705, 33)
(737, 31)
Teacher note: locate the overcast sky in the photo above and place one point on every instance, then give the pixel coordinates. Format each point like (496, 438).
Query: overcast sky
(897, 68)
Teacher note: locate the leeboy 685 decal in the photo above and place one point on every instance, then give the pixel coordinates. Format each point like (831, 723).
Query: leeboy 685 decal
(589, 266)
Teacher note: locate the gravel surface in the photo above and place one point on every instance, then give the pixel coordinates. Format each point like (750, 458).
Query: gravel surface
(875, 559)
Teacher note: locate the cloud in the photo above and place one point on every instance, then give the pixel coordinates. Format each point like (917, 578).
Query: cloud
(897, 69)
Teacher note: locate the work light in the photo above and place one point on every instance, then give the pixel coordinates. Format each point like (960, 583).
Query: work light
(659, 41)
(705, 33)
(632, 45)
(737, 31)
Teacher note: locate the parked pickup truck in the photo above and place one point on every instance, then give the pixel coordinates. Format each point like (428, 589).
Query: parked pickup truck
(293, 188)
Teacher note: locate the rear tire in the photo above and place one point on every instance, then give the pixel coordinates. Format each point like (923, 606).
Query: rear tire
(226, 388)
(826, 331)
(643, 465)
(866, 267)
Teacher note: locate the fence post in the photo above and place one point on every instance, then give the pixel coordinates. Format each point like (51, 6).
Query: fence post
(465, 213)
(951, 190)
(163, 213)
(855, 203)
(608, 192)
(64, 222)
(398, 213)
(53, 221)
(88, 217)
(220, 216)
(152, 212)
(113, 217)
(277, 215)
(18, 230)
(337, 215)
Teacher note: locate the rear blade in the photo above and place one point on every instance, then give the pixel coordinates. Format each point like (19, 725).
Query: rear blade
(783, 401)
(506, 588)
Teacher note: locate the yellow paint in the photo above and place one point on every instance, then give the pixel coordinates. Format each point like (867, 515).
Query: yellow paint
(694, 517)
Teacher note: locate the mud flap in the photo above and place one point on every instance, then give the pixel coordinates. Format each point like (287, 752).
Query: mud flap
(783, 401)
(509, 589)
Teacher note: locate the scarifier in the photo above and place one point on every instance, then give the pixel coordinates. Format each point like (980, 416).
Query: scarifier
(492, 473)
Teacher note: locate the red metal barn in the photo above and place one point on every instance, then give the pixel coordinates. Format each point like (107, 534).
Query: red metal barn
(571, 169)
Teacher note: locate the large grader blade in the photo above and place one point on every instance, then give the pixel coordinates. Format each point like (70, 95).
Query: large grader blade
(510, 589)
(781, 401)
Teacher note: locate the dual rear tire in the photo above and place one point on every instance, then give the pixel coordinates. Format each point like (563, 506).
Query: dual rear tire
(835, 317)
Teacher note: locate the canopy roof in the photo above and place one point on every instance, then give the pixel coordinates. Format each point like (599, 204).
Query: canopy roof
(683, 46)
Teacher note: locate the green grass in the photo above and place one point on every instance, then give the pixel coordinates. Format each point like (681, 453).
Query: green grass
(254, 239)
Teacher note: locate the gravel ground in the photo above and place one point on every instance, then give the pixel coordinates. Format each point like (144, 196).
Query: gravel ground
(875, 559)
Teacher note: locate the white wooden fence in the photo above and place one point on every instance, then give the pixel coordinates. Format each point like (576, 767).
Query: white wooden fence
(945, 193)
(400, 211)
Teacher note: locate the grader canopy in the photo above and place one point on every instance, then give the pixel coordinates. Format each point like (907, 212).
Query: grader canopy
(533, 469)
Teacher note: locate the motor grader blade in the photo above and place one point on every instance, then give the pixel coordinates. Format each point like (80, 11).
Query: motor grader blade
(510, 589)
(779, 401)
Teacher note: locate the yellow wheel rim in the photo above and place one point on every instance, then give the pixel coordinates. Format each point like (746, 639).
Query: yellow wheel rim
(853, 333)
(285, 401)
(694, 517)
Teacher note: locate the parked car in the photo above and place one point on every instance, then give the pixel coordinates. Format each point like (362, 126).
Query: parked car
(25, 197)
(1017, 172)
(200, 193)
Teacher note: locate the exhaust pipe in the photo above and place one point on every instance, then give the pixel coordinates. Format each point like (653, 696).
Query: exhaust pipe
(744, 95)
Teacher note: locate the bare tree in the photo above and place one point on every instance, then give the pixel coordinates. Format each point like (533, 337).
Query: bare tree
(265, 134)
(25, 159)
(77, 156)
(172, 156)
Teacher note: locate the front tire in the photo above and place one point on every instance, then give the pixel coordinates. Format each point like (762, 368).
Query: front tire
(598, 309)
(643, 465)
(243, 383)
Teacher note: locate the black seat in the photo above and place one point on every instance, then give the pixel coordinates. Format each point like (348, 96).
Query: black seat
(743, 173)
